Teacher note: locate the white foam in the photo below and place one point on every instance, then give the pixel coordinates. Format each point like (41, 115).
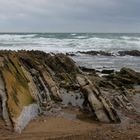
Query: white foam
(8, 37)
(130, 38)
(73, 34)
(81, 37)
(78, 43)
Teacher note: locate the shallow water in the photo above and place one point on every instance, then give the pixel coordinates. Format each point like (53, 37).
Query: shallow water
(73, 99)
(108, 62)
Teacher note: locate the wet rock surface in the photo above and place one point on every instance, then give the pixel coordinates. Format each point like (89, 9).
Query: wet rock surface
(131, 53)
(35, 83)
(97, 53)
(103, 53)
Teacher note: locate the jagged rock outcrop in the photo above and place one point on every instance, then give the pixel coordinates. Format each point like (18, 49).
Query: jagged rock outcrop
(123, 83)
(32, 80)
(101, 106)
(126, 77)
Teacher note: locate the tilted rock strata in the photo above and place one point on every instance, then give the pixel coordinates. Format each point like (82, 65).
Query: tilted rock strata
(99, 103)
(30, 80)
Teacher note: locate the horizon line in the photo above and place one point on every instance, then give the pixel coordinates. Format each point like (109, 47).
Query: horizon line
(75, 32)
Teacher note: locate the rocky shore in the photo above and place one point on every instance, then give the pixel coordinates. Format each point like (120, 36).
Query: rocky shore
(34, 83)
(103, 53)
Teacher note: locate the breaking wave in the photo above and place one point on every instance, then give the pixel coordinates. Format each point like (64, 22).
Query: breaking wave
(70, 42)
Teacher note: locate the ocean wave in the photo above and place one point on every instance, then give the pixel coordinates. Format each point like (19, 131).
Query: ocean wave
(130, 38)
(15, 37)
(73, 34)
(81, 37)
(67, 43)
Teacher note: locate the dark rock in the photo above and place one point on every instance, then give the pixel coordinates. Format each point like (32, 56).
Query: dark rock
(90, 52)
(70, 54)
(131, 53)
(96, 53)
(107, 71)
(126, 77)
(61, 63)
(130, 75)
(105, 53)
(84, 69)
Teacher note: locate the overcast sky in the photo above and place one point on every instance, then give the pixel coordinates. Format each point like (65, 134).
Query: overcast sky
(70, 15)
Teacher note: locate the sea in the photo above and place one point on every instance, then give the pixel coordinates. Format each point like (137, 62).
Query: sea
(75, 42)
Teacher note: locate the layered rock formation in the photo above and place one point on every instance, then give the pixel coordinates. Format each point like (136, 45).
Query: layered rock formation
(32, 81)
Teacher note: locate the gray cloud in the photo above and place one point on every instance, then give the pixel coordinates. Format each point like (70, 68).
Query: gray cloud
(70, 15)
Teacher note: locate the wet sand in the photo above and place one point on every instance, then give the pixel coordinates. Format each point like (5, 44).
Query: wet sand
(67, 127)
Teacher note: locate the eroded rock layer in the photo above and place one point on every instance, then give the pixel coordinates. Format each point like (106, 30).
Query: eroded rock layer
(32, 81)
